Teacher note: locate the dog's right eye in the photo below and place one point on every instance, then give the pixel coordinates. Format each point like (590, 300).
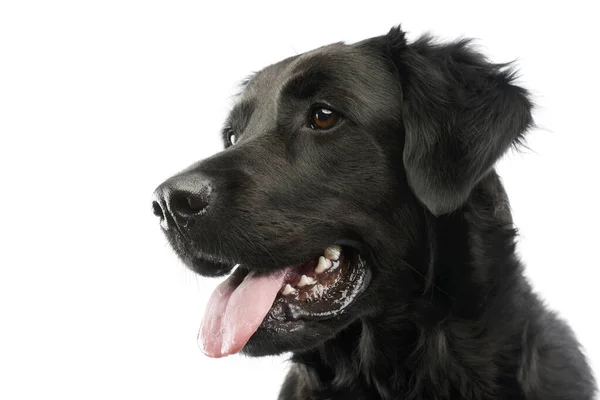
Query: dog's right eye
(232, 138)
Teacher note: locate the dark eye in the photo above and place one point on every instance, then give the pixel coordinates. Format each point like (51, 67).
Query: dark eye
(323, 118)
(232, 138)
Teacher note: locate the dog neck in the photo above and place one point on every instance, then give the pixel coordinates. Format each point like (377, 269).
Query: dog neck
(435, 314)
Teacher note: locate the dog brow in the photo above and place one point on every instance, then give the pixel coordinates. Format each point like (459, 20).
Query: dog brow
(305, 84)
(239, 116)
(246, 81)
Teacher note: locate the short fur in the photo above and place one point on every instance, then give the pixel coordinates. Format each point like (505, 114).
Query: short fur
(407, 178)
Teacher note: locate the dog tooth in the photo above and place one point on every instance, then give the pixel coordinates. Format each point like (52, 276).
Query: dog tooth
(333, 252)
(305, 280)
(323, 265)
(288, 289)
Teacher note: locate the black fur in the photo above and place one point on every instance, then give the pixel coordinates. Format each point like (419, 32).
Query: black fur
(407, 178)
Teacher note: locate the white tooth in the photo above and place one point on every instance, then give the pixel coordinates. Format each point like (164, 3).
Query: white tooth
(333, 252)
(323, 265)
(288, 289)
(305, 280)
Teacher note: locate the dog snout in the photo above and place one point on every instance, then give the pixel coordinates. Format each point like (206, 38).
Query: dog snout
(181, 198)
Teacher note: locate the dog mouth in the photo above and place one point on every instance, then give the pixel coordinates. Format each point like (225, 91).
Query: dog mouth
(319, 289)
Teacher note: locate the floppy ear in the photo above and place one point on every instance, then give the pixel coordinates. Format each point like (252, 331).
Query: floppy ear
(460, 113)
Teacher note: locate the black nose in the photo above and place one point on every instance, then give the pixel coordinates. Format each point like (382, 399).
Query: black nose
(180, 198)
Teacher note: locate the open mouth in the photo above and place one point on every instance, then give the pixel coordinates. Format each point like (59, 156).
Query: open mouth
(320, 288)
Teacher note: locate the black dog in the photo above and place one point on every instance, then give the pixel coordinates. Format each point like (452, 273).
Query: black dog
(358, 194)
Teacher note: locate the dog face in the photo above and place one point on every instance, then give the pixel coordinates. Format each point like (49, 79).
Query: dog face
(332, 160)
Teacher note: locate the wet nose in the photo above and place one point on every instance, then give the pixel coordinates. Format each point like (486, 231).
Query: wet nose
(181, 198)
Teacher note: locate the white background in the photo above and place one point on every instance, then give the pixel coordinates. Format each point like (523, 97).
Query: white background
(102, 100)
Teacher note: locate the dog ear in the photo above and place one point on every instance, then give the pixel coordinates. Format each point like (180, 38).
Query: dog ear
(460, 114)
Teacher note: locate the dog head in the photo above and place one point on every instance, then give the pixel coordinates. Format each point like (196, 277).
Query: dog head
(332, 158)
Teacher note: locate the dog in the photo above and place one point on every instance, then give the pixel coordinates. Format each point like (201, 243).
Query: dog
(358, 214)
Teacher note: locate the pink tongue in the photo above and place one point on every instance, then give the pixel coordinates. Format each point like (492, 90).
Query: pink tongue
(236, 309)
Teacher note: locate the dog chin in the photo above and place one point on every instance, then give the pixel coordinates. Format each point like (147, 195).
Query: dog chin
(295, 336)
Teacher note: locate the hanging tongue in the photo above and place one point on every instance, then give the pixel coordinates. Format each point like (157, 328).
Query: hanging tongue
(236, 309)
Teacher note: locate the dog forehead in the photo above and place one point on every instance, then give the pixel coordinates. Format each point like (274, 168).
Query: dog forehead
(339, 59)
(274, 76)
(361, 70)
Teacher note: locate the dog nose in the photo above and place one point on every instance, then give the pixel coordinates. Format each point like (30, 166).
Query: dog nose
(181, 198)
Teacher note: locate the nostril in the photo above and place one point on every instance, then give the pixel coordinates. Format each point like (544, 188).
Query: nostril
(187, 204)
(197, 203)
(157, 210)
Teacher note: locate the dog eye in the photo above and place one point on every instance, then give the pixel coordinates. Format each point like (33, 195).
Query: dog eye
(324, 118)
(232, 138)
